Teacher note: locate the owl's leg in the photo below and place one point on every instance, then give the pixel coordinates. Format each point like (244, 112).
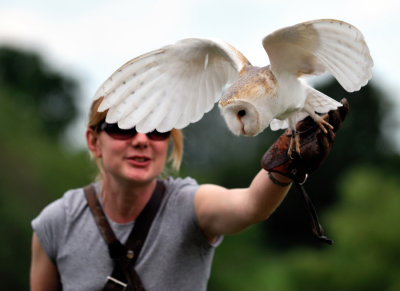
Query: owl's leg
(294, 144)
(295, 140)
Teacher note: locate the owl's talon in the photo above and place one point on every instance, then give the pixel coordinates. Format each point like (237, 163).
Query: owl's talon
(322, 123)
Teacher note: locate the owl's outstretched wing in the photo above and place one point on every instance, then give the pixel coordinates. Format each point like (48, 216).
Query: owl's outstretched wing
(321, 45)
(170, 87)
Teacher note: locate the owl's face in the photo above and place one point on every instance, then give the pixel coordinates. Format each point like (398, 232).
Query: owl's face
(246, 105)
(243, 117)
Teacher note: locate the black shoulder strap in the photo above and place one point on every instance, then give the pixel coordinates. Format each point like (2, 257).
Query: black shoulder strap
(143, 222)
(124, 276)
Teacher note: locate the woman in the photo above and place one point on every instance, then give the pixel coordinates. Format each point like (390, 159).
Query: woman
(69, 253)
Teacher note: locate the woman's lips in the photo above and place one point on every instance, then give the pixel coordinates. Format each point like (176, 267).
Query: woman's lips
(140, 161)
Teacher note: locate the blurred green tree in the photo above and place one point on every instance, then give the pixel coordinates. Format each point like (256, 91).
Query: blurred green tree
(364, 257)
(34, 169)
(29, 82)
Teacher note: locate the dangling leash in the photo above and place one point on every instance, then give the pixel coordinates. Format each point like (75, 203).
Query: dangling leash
(316, 226)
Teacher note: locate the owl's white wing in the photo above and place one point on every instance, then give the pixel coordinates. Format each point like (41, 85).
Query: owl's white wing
(170, 87)
(321, 45)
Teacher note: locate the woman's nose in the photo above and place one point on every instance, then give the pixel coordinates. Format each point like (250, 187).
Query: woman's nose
(140, 140)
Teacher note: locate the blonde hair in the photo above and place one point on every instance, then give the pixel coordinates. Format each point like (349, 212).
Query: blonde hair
(176, 153)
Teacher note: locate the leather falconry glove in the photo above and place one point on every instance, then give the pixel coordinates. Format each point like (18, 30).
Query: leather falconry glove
(315, 146)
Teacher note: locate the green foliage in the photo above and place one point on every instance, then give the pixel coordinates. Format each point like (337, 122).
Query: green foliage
(364, 256)
(35, 169)
(26, 79)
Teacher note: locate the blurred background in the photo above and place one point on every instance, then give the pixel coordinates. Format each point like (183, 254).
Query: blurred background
(53, 56)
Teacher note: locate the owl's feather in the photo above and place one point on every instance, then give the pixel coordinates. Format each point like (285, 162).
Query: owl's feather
(318, 46)
(170, 87)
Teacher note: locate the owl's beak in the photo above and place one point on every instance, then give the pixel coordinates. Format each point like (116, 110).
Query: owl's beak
(239, 115)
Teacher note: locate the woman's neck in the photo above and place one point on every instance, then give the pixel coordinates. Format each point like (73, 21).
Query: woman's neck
(123, 202)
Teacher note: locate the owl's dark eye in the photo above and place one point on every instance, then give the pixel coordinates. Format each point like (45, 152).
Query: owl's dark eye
(241, 113)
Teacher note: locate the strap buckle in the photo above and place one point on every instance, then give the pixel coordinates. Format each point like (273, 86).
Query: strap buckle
(116, 283)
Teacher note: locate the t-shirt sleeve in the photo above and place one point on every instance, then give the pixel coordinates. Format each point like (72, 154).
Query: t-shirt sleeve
(49, 226)
(185, 190)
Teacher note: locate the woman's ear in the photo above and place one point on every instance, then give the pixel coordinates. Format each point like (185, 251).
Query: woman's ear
(92, 140)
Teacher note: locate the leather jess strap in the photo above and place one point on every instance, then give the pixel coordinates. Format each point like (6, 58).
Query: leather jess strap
(124, 276)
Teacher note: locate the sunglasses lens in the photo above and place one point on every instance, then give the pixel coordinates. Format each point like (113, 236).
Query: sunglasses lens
(155, 135)
(117, 133)
(122, 134)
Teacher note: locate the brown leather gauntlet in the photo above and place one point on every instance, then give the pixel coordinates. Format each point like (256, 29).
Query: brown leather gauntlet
(315, 146)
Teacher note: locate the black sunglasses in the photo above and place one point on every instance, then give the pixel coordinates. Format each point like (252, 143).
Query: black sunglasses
(115, 132)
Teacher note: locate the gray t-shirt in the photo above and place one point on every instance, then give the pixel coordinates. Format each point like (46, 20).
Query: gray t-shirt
(175, 256)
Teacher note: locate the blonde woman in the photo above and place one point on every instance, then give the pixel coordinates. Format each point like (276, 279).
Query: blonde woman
(69, 253)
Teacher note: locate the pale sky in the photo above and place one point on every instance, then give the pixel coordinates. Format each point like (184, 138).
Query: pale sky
(90, 39)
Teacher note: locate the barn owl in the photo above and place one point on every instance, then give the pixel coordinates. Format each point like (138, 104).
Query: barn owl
(177, 84)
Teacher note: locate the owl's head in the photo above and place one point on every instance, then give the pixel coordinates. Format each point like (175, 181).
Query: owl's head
(247, 105)
(244, 117)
